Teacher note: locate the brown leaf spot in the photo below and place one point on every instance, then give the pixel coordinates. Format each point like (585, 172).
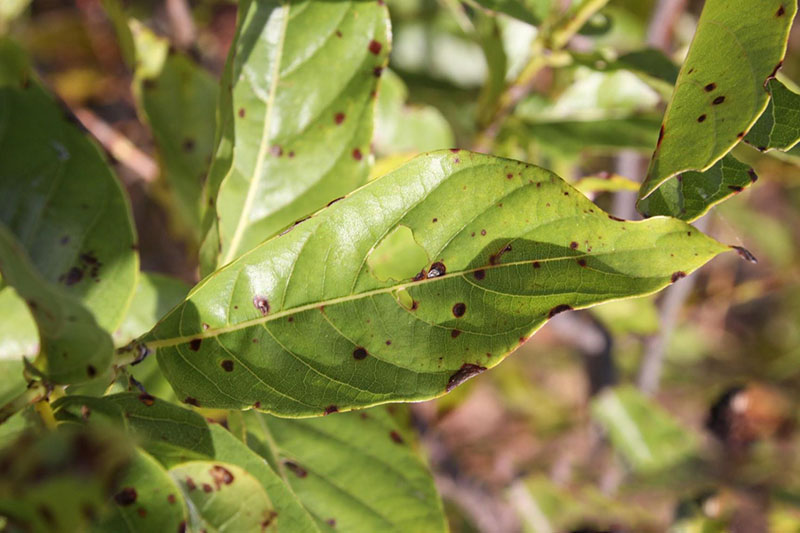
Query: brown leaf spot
(467, 371)
(338, 118)
(753, 175)
(710, 87)
(182, 527)
(701, 118)
(91, 371)
(221, 476)
(718, 100)
(127, 496)
(241, 112)
(147, 399)
(375, 47)
(276, 150)
(73, 276)
(455, 333)
(261, 304)
(377, 71)
(582, 262)
(559, 309)
(357, 154)
(296, 469)
(677, 275)
(227, 365)
(745, 254)
(437, 269)
(191, 401)
(171, 498)
(207, 488)
(736, 188)
(459, 309)
(360, 353)
(194, 344)
(781, 11)
(573, 245)
(479, 274)
(395, 436)
(330, 409)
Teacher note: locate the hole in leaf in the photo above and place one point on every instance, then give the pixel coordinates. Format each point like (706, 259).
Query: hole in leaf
(398, 256)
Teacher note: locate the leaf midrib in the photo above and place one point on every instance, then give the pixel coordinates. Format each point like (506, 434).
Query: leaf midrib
(214, 332)
(264, 145)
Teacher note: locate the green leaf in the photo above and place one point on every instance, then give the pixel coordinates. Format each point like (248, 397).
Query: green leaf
(145, 499)
(401, 128)
(572, 136)
(692, 194)
(60, 200)
(174, 435)
(530, 11)
(296, 117)
(344, 468)
(18, 336)
(779, 127)
(176, 98)
(300, 326)
(76, 348)
(646, 436)
(720, 93)
(224, 498)
(56, 481)
(648, 63)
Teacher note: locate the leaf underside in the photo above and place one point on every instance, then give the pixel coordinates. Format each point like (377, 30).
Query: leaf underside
(779, 127)
(300, 326)
(721, 89)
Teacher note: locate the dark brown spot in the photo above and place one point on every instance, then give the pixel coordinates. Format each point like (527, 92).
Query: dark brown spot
(677, 275)
(774, 72)
(276, 150)
(483, 232)
(339, 34)
(395, 436)
(182, 527)
(718, 100)
(357, 154)
(745, 254)
(495, 258)
(559, 309)
(740, 135)
(190, 484)
(660, 136)
(375, 47)
(479, 274)
(573, 245)
(207, 487)
(459, 309)
(420, 275)
(736, 188)
(360, 353)
(241, 112)
(268, 519)
(612, 217)
(435, 220)
(194, 344)
(64, 239)
(467, 371)
(91, 371)
(73, 276)
(291, 154)
(377, 71)
(454, 150)
(331, 522)
(701, 118)
(191, 401)
(127, 496)
(227, 365)
(753, 175)
(710, 87)
(147, 399)
(582, 262)
(781, 11)
(171, 498)
(334, 201)
(414, 305)
(509, 176)
(221, 476)
(296, 469)
(188, 145)
(388, 342)
(437, 269)
(338, 118)
(142, 512)
(261, 304)
(536, 264)
(330, 409)
(455, 333)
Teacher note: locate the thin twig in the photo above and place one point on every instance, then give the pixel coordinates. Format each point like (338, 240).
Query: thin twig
(119, 146)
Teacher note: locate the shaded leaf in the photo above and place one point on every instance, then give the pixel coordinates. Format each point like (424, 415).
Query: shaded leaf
(692, 194)
(648, 63)
(76, 348)
(58, 481)
(296, 117)
(60, 200)
(174, 435)
(155, 295)
(145, 499)
(346, 467)
(176, 97)
(572, 136)
(738, 47)
(779, 127)
(401, 128)
(641, 431)
(300, 326)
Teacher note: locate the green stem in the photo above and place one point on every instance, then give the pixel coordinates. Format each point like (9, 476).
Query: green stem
(34, 393)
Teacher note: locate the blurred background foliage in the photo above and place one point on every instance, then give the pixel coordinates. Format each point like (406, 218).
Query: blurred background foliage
(676, 412)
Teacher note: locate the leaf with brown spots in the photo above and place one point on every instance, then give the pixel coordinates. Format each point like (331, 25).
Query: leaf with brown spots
(279, 60)
(320, 275)
(734, 54)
